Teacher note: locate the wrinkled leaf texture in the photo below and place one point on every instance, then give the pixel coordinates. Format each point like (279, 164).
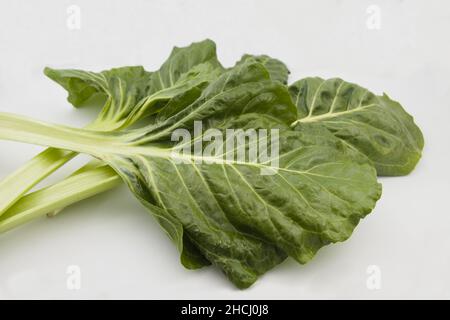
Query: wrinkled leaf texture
(375, 125)
(128, 94)
(227, 213)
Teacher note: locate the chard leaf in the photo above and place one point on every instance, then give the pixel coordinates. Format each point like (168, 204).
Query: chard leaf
(277, 69)
(128, 94)
(375, 125)
(222, 210)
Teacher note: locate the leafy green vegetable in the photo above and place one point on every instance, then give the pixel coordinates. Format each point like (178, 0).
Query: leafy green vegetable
(131, 93)
(375, 125)
(220, 210)
(277, 69)
(126, 95)
(328, 139)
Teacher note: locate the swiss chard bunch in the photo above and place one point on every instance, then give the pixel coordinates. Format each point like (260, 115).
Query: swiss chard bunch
(243, 214)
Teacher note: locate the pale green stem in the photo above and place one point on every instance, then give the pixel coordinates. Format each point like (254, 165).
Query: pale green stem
(89, 166)
(34, 171)
(41, 166)
(19, 182)
(88, 181)
(23, 129)
(71, 190)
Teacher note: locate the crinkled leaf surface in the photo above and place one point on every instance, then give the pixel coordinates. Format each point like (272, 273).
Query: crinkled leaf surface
(128, 94)
(375, 125)
(222, 210)
(277, 69)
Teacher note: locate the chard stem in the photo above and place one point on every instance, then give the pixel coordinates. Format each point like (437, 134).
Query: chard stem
(18, 183)
(34, 171)
(75, 188)
(27, 130)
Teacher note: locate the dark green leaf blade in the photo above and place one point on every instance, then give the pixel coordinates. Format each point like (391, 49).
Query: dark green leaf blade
(245, 222)
(223, 210)
(129, 94)
(375, 125)
(323, 188)
(277, 69)
(244, 89)
(82, 86)
(183, 62)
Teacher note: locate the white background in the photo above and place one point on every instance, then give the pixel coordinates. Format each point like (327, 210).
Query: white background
(122, 252)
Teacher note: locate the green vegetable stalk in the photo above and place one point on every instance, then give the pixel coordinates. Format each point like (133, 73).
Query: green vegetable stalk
(60, 195)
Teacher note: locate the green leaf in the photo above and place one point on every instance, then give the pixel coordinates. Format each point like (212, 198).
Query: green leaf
(375, 125)
(129, 94)
(185, 62)
(248, 82)
(221, 209)
(82, 85)
(277, 69)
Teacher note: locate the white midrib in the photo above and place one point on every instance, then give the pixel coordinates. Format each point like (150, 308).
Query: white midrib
(22, 129)
(170, 154)
(329, 115)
